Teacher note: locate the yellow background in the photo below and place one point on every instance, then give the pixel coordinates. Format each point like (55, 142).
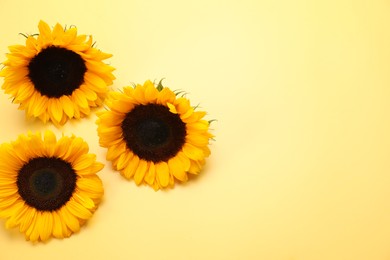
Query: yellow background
(300, 168)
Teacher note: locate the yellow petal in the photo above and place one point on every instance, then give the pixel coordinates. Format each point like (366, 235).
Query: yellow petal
(77, 147)
(114, 130)
(172, 108)
(78, 210)
(38, 226)
(16, 218)
(195, 167)
(166, 96)
(162, 172)
(57, 225)
(66, 231)
(16, 48)
(25, 91)
(27, 220)
(45, 117)
(123, 160)
(110, 118)
(67, 106)
(79, 98)
(30, 105)
(10, 157)
(122, 106)
(92, 169)
(77, 113)
(55, 109)
(171, 180)
(129, 171)
(32, 44)
(150, 175)
(20, 150)
(177, 169)
(84, 161)
(71, 221)
(58, 33)
(6, 179)
(32, 232)
(84, 200)
(206, 151)
(115, 151)
(6, 192)
(94, 81)
(91, 185)
(156, 186)
(129, 91)
(183, 105)
(107, 140)
(50, 141)
(44, 31)
(46, 225)
(151, 92)
(6, 203)
(184, 160)
(139, 95)
(95, 196)
(187, 114)
(193, 152)
(40, 105)
(89, 94)
(197, 139)
(201, 125)
(140, 172)
(62, 147)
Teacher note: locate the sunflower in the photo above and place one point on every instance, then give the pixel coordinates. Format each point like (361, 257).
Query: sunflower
(48, 187)
(57, 74)
(153, 136)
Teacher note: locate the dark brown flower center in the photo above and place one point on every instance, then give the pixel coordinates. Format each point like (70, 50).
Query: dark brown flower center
(153, 133)
(56, 71)
(45, 183)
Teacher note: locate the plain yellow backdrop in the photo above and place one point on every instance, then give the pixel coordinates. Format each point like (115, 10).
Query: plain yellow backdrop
(300, 167)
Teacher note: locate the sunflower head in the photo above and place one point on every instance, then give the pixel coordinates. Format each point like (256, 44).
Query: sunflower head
(57, 74)
(48, 187)
(153, 136)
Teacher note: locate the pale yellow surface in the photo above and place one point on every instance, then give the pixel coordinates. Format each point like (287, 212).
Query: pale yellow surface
(300, 168)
